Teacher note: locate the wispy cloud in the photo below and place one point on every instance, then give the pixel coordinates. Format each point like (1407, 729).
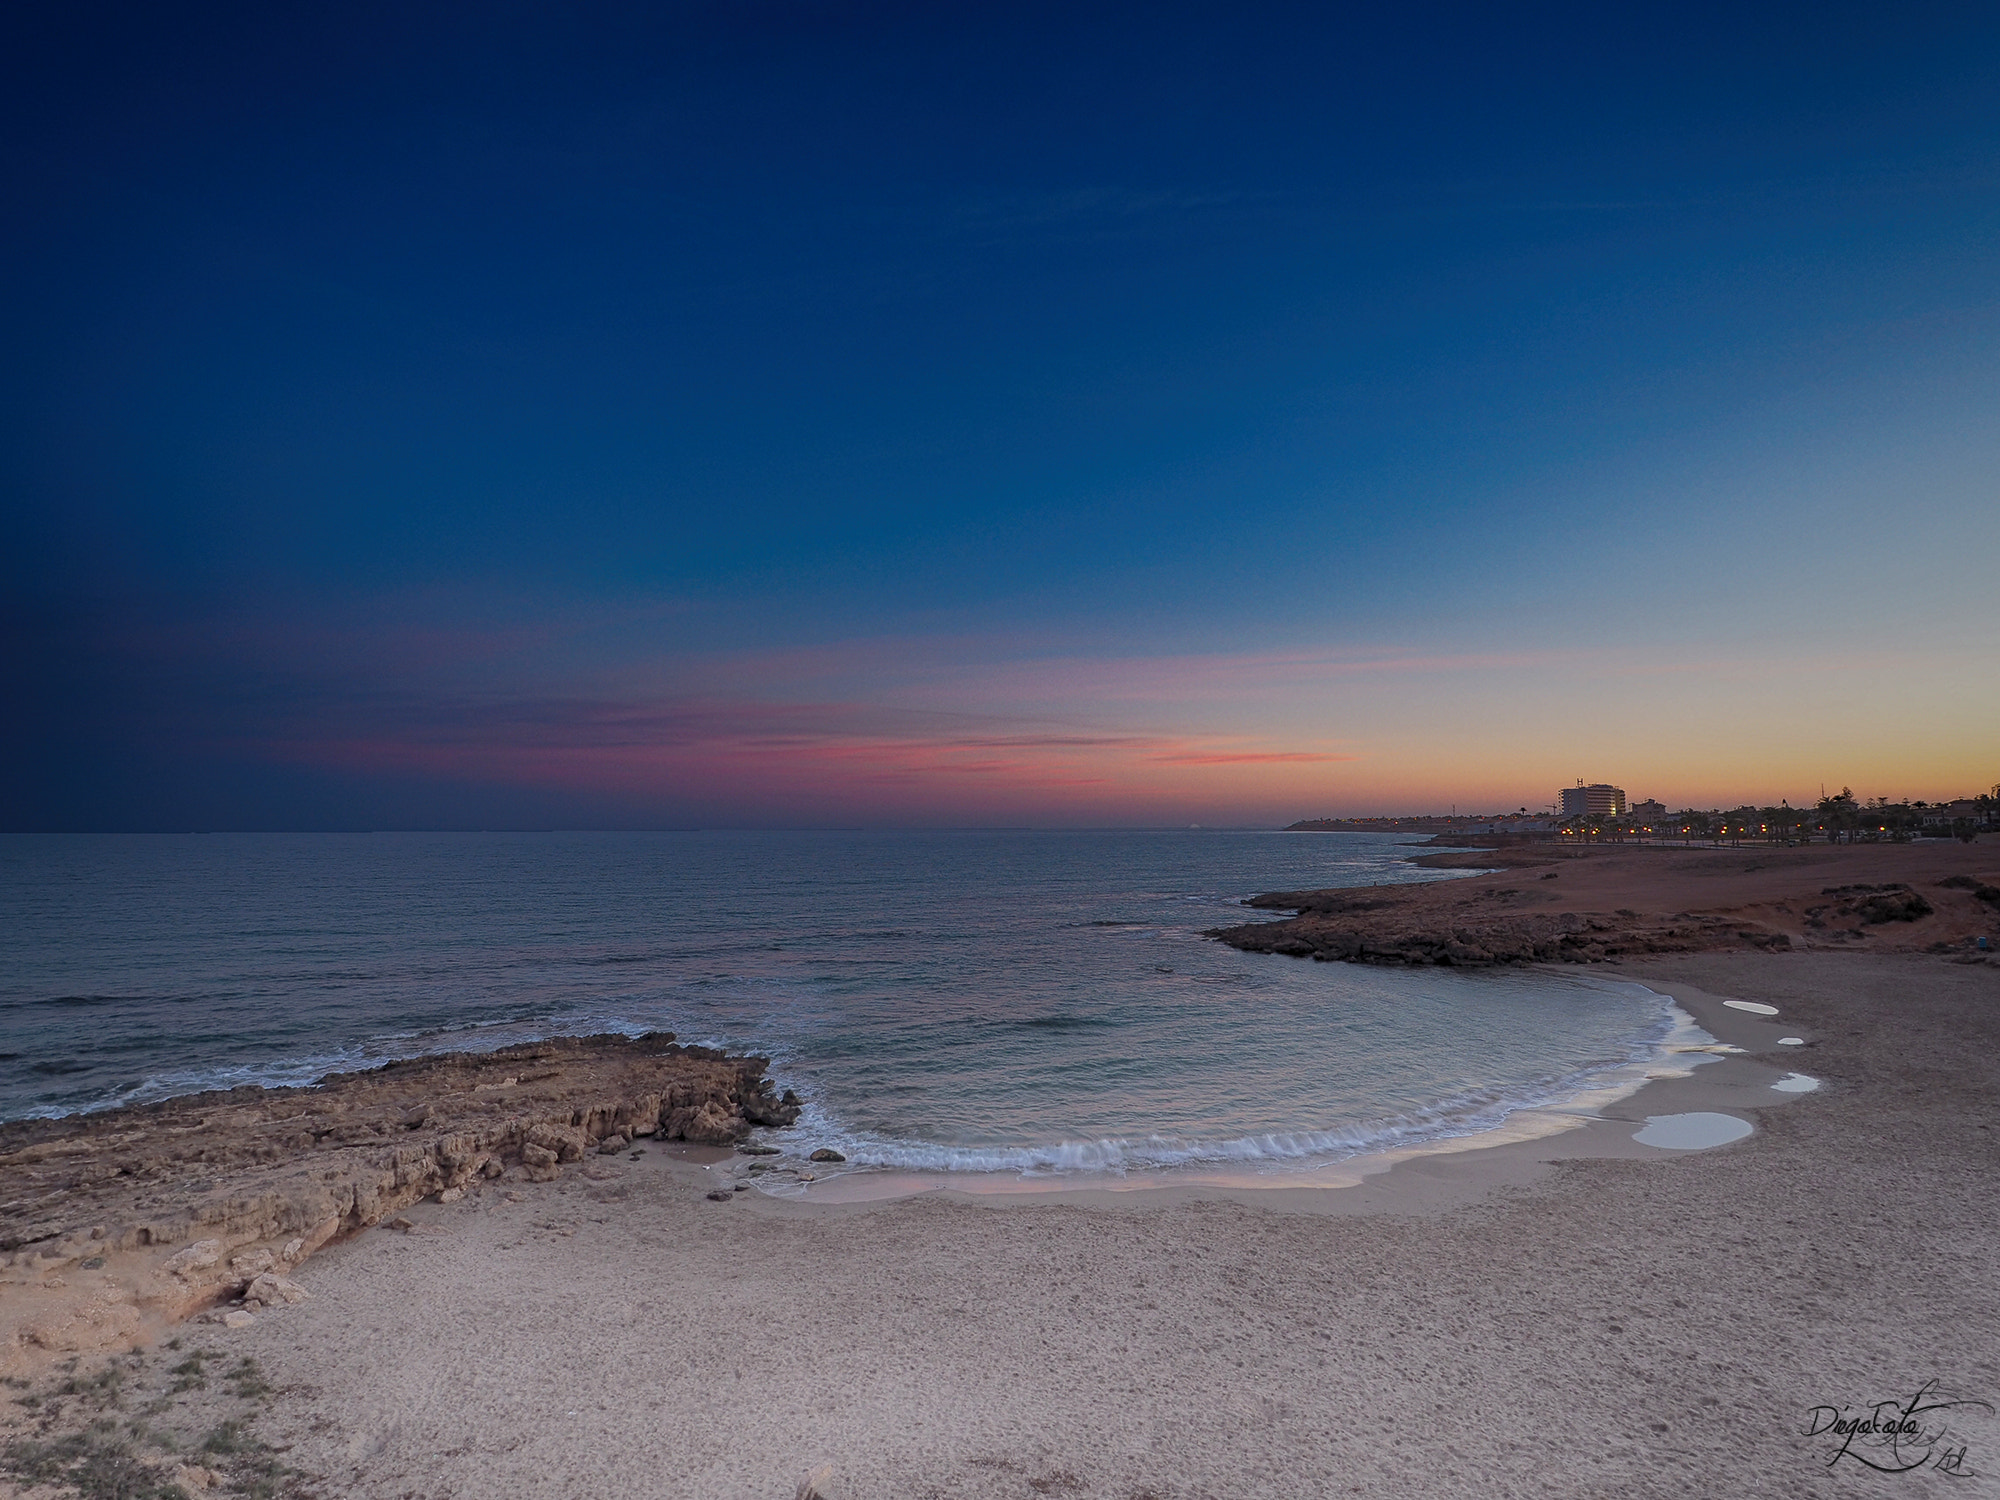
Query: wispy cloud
(1253, 758)
(936, 726)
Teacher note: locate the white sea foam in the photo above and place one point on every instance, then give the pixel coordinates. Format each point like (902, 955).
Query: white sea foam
(1466, 1114)
(1754, 1007)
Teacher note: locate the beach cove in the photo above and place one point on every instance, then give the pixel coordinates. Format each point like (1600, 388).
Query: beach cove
(1573, 1313)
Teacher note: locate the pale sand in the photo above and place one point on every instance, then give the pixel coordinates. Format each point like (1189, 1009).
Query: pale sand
(1471, 1324)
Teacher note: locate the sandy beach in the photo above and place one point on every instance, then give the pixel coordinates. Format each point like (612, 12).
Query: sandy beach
(1571, 1315)
(883, 751)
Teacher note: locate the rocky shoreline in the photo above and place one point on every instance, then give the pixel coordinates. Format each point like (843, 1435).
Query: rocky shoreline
(1626, 902)
(1333, 928)
(117, 1221)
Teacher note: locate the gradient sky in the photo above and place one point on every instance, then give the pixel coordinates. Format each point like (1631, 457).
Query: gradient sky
(820, 413)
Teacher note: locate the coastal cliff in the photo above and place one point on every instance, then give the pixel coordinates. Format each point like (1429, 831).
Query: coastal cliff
(113, 1221)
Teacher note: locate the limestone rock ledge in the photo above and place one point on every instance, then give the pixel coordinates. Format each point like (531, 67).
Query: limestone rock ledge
(1390, 928)
(115, 1221)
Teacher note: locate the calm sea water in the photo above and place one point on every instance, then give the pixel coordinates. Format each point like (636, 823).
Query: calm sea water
(1007, 1001)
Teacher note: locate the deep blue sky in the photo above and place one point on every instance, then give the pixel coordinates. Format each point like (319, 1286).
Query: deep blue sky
(394, 391)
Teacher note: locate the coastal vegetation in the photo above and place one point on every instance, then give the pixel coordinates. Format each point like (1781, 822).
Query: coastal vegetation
(147, 1426)
(1841, 818)
(1838, 818)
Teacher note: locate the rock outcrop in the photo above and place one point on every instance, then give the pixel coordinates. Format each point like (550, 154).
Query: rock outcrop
(1552, 903)
(1873, 904)
(155, 1212)
(1377, 929)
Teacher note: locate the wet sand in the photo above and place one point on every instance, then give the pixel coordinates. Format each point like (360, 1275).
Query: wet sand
(1574, 1316)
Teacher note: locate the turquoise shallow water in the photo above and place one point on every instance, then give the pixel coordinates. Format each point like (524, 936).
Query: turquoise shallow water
(1009, 1001)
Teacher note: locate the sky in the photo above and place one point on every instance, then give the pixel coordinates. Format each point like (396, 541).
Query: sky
(830, 414)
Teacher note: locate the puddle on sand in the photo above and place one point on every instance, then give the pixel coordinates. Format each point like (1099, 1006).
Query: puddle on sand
(1755, 1007)
(1791, 1041)
(1796, 1083)
(1691, 1132)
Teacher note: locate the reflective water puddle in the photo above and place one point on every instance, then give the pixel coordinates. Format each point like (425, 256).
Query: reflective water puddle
(1691, 1132)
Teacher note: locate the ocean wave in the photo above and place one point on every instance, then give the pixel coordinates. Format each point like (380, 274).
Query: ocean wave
(1120, 1155)
(304, 1069)
(1472, 1112)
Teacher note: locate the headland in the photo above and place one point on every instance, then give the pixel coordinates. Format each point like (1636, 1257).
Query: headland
(1594, 903)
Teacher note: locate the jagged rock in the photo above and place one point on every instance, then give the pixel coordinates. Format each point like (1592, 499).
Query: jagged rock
(190, 1185)
(1893, 906)
(568, 1142)
(238, 1318)
(611, 1145)
(272, 1291)
(197, 1258)
(1330, 931)
(714, 1126)
(762, 1106)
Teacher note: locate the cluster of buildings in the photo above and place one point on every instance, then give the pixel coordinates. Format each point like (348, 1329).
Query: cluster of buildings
(1601, 801)
(1584, 809)
(1944, 814)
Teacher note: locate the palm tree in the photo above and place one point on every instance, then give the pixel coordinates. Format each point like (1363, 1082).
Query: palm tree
(1839, 813)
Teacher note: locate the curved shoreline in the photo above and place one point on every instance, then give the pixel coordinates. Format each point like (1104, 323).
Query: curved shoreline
(100, 1206)
(1657, 1327)
(1722, 1072)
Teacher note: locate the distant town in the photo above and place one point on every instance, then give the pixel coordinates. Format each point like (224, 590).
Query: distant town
(1599, 812)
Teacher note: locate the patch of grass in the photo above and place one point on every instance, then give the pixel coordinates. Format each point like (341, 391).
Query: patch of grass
(231, 1437)
(264, 1477)
(98, 1463)
(254, 1469)
(165, 1441)
(105, 1388)
(98, 1436)
(247, 1381)
(189, 1374)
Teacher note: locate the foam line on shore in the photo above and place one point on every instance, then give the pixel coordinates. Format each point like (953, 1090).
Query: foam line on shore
(1467, 1116)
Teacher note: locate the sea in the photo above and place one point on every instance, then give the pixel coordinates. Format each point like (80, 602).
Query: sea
(1029, 1003)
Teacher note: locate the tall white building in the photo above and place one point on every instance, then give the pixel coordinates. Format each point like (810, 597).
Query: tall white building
(1594, 801)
